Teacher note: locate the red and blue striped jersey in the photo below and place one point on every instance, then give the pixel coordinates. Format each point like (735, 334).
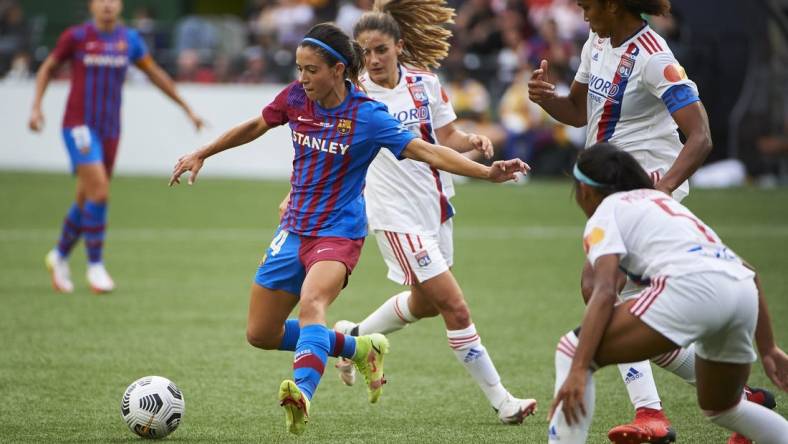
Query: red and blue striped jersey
(98, 68)
(333, 149)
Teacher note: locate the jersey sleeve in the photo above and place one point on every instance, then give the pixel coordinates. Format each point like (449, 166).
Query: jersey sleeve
(275, 113)
(602, 235)
(584, 70)
(441, 110)
(137, 47)
(666, 79)
(65, 46)
(388, 132)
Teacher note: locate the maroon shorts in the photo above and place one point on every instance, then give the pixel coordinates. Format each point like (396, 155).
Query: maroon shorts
(339, 249)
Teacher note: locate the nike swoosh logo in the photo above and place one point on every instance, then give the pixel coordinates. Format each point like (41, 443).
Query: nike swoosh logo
(312, 122)
(322, 250)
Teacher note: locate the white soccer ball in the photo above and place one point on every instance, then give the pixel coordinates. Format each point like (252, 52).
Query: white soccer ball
(152, 407)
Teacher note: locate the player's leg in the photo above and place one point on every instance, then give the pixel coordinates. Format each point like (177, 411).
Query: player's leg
(723, 365)
(94, 180)
(626, 339)
(720, 387)
(638, 377)
(84, 150)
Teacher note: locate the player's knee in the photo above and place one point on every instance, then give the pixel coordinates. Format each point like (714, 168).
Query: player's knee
(99, 192)
(262, 340)
(312, 309)
(458, 313)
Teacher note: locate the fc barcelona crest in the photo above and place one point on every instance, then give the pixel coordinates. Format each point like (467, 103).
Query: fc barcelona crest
(344, 126)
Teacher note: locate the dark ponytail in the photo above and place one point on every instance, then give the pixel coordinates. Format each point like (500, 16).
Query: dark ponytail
(337, 40)
(612, 169)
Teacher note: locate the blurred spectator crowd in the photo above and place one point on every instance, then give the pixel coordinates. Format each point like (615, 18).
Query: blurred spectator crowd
(495, 46)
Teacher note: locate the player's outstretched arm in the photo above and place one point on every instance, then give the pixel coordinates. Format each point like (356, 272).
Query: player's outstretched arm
(44, 75)
(775, 361)
(570, 109)
(164, 82)
(239, 135)
(595, 321)
(453, 137)
(447, 159)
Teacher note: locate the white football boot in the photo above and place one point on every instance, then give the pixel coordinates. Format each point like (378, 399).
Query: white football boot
(59, 271)
(99, 279)
(347, 371)
(514, 410)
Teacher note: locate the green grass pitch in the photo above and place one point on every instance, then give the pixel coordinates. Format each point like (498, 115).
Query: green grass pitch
(184, 260)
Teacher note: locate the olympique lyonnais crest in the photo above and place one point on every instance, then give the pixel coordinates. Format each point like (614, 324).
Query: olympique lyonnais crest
(626, 66)
(423, 258)
(418, 92)
(344, 126)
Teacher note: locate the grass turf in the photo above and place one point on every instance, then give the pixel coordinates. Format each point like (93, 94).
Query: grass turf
(184, 259)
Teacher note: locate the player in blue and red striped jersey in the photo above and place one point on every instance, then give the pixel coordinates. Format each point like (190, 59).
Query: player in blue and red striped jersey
(337, 131)
(100, 52)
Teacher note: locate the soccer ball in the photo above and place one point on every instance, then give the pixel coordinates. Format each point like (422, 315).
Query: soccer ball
(152, 407)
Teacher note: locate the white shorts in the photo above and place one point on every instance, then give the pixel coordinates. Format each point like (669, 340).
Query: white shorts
(413, 258)
(715, 311)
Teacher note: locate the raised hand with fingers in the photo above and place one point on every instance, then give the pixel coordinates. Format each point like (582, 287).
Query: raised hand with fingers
(481, 144)
(192, 163)
(539, 87)
(505, 170)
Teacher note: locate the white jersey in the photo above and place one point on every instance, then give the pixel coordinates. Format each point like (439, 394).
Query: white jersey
(632, 91)
(409, 196)
(656, 236)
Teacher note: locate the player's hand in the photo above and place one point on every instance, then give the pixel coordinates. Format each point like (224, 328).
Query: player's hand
(36, 122)
(539, 87)
(505, 170)
(775, 364)
(197, 121)
(192, 163)
(481, 144)
(570, 397)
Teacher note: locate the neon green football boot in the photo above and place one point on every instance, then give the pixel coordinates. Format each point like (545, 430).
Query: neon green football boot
(296, 406)
(369, 362)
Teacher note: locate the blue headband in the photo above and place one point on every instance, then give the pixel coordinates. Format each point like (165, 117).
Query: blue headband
(585, 179)
(330, 50)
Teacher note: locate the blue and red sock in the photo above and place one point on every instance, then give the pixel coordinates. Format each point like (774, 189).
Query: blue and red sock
(94, 221)
(311, 355)
(72, 228)
(338, 344)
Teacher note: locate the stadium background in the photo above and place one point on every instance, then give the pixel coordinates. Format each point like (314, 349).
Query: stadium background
(184, 258)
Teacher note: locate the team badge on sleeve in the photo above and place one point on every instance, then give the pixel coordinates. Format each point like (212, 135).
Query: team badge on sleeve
(423, 258)
(594, 237)
(674, 73)
(344, 126)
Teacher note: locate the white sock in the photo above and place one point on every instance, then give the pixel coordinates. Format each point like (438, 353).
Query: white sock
(559, 431)
(473, 356)
(393, 315)
(680, 362)
(640, 384)
(754, 421)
